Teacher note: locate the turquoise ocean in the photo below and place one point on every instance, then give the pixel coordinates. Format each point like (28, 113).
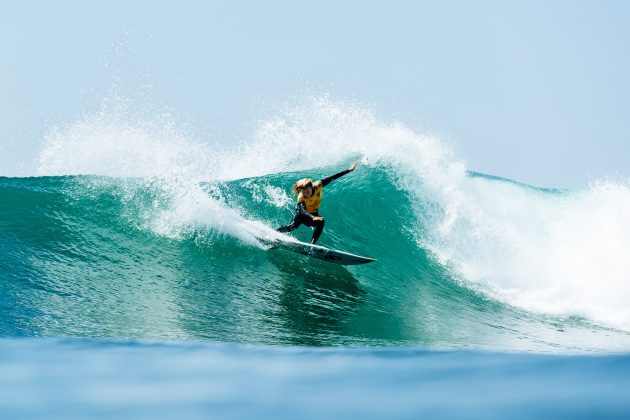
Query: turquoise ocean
(132, 282)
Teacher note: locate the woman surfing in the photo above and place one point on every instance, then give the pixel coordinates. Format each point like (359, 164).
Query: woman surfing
(308, 200)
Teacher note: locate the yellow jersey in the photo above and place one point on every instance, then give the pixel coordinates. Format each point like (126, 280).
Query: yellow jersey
(312, 203)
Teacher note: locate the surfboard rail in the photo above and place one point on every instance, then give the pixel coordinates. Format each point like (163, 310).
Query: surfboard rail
(317, 251)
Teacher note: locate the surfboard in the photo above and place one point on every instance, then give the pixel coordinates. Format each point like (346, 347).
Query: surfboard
(319, 252)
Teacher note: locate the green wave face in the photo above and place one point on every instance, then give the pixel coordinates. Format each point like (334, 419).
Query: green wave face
(84, 256)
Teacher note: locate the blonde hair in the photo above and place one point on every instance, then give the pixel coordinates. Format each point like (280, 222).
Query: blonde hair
(301, 184)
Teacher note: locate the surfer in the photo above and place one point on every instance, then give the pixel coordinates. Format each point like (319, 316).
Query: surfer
(308, 201)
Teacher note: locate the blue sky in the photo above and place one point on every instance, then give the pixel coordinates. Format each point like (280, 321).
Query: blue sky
(532, 90)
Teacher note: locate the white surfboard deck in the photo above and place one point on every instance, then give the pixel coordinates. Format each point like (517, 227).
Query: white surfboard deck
(319, 252)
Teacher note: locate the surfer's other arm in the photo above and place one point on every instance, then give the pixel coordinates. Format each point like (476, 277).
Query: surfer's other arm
(301, 210)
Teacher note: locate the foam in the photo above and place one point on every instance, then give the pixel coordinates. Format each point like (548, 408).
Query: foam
(116, 144)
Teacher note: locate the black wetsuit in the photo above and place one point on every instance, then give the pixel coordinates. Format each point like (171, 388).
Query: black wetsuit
(303, 217)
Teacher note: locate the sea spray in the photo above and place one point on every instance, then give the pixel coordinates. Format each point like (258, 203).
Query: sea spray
(142, 155)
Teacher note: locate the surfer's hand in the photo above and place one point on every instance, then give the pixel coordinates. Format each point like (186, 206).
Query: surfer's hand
(351, 168)
(318, 218)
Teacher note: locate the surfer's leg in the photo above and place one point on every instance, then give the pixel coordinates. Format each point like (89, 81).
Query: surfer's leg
(319, 228)
(288, 228)
(297, 221)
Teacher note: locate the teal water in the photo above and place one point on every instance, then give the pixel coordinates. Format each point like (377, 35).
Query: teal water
(85, 256)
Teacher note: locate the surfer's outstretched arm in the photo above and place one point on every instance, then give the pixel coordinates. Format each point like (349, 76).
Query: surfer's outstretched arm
(329, 179)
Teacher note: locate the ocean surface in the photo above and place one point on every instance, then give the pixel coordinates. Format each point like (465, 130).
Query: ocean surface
(132, 282)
